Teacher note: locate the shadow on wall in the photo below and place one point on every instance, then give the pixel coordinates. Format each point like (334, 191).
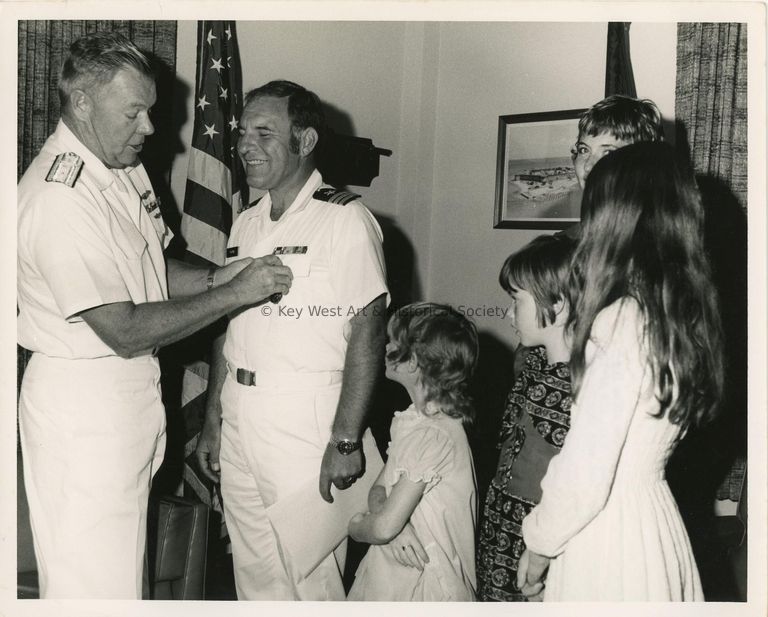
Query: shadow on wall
(706, 455)
(404, 288)
(169, 114)
(493, 379)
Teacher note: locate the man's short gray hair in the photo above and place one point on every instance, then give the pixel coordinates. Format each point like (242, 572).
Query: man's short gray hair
(94, 59)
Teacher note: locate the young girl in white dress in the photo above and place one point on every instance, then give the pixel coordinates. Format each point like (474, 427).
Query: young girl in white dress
(421, 519)
(645, 365)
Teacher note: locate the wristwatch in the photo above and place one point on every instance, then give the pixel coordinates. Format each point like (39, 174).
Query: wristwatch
(345, 446)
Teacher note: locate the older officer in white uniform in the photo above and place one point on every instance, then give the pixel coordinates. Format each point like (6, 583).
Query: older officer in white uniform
(93, 306)
(296, 376)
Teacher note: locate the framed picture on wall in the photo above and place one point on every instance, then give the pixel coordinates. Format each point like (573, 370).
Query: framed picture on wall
(536, 185)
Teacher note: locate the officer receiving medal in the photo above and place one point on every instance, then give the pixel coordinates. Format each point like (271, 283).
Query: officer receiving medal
(288, 396)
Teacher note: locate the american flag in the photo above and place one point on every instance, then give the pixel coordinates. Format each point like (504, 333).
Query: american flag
(215, 189)
(215, 176)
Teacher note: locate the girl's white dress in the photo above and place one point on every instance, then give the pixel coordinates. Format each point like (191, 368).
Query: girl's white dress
(607, 516)
(435, 450)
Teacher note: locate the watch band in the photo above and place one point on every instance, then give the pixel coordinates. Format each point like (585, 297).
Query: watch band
(345, 446)
(211, 278)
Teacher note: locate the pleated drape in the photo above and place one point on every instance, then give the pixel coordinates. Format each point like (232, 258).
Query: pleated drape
(711, 100)
(711, 110)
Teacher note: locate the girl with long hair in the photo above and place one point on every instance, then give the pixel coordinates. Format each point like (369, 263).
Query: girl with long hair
(646, 364)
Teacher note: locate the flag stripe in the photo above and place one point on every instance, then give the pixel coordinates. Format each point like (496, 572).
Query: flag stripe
(208, 207)
(211, 173)
(210, 243)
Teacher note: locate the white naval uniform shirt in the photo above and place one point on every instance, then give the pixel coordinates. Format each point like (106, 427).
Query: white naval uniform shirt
(84, 246)
(341, 272)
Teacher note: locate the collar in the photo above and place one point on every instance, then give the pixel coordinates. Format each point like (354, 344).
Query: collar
(65, 140)
(304, 196)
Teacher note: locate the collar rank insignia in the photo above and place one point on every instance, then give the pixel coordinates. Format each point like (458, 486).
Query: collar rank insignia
(232, 251)
(245, 207)
(65, 169)
(335, 196)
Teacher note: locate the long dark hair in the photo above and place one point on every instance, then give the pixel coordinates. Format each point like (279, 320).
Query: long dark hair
(642, 237)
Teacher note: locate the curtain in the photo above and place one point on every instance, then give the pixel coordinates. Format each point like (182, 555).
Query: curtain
(619, 77)
(711, 113)
(711, 100)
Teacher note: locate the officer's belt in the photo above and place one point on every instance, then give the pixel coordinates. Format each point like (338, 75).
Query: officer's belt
(286, 379)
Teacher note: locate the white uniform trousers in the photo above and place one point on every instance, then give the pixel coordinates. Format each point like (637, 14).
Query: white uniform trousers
(92, 435)
(273, 438)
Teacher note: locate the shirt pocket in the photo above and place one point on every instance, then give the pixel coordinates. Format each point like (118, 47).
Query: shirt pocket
(299, 263)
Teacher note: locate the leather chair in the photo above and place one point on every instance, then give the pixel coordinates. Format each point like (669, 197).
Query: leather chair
(178, 548)
(26, 565)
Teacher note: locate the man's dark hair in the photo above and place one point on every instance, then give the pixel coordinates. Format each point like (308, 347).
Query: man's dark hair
(304, 107)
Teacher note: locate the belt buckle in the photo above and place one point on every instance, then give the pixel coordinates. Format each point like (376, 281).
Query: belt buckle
(245, 377)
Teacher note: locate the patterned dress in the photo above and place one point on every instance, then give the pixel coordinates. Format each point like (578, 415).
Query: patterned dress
(535, 423)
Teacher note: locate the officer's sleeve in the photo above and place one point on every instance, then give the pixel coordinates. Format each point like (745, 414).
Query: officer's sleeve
(69, 244)
(358, 274)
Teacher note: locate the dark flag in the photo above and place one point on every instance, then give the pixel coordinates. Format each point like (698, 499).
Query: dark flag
(215, 174)
(619, 78)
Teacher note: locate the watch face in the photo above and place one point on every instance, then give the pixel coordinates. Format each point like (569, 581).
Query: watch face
(347, 447)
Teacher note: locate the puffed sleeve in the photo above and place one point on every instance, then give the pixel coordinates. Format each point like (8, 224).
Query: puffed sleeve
(357, 261)
(424, 454)
(578, 481)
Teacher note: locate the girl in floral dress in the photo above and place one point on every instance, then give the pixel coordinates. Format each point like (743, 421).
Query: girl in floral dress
(537, 415)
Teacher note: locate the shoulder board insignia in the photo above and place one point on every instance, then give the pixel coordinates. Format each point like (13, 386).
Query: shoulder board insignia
(65, 169)
(245, 207)
(335, 196)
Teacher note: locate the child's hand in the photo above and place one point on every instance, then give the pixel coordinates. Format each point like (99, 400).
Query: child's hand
(530, 572)
(407, 549)
(533, 593)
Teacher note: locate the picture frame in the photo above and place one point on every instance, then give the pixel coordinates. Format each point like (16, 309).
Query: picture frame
(536, 186)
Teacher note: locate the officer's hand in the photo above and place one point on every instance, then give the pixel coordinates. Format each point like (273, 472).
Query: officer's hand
(340, 469)
(262, 278)
(227, 273)
(207, 450)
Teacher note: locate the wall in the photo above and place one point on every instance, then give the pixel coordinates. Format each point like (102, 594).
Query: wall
(432, 93)
(488, 70)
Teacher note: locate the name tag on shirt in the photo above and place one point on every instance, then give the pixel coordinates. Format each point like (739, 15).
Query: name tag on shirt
(295, 257)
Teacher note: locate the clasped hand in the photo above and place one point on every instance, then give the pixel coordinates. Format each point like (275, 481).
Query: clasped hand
(530, 574)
